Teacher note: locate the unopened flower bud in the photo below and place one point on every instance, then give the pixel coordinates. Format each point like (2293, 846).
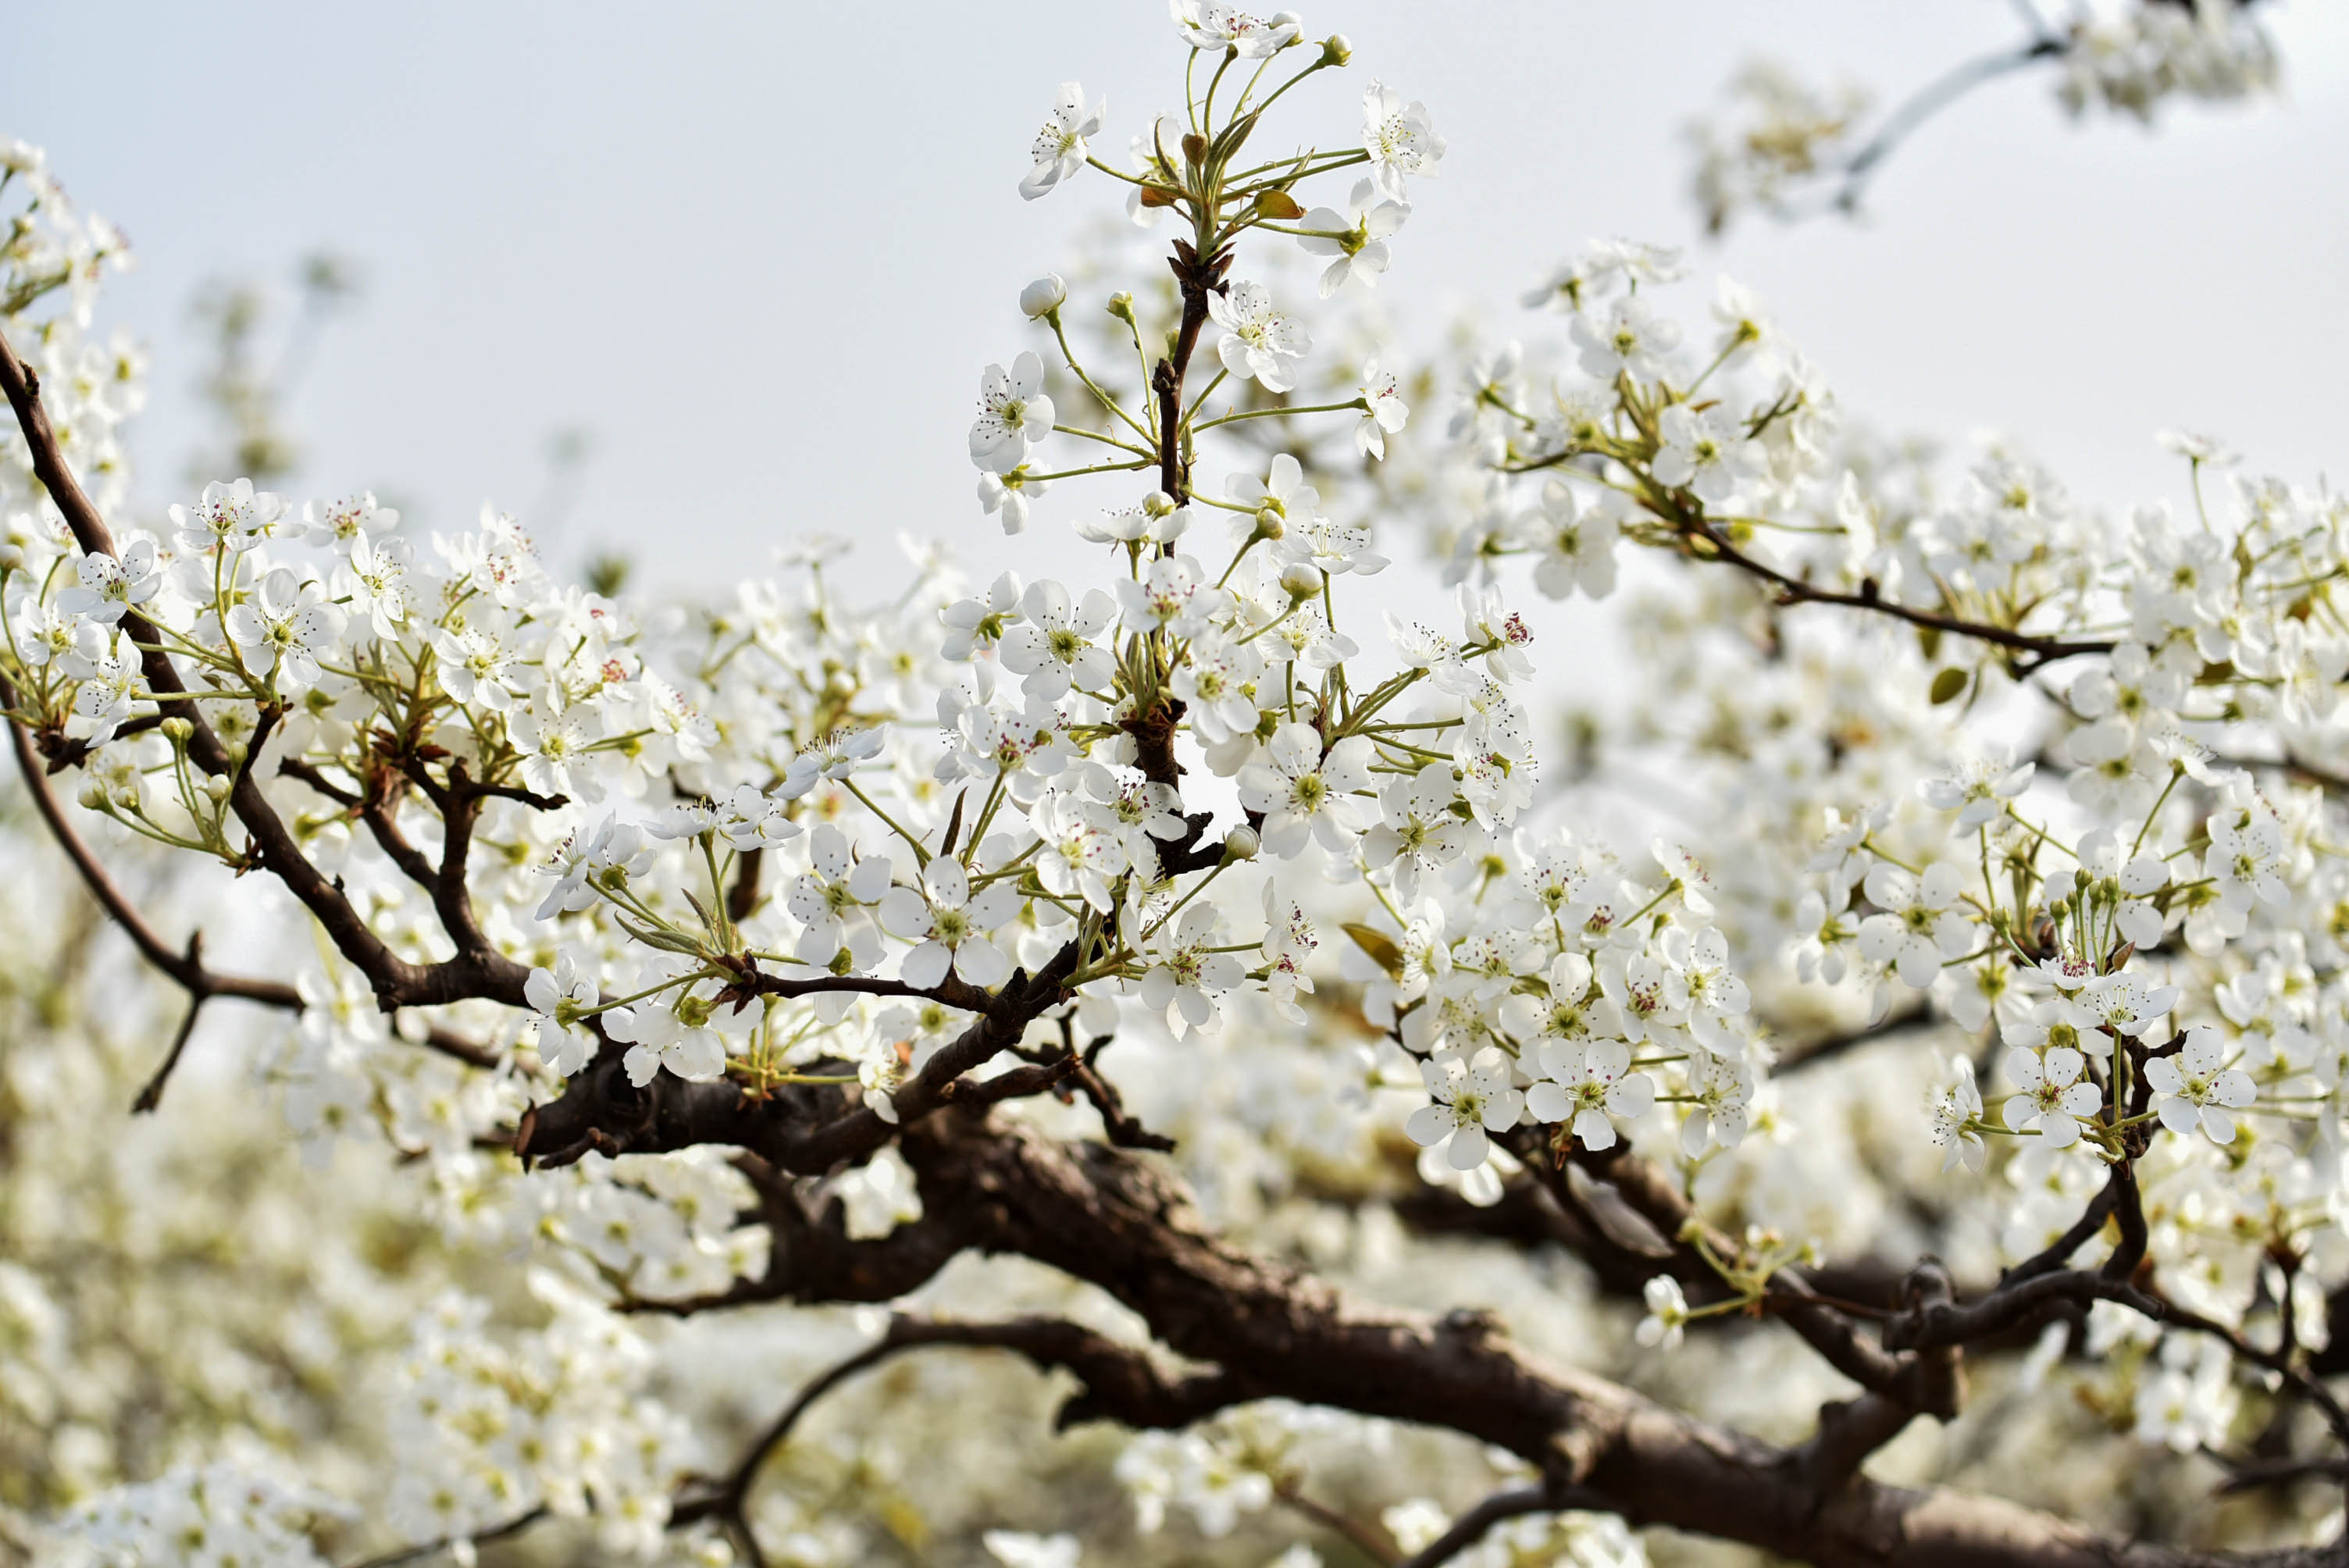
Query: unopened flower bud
(1042, 298)
(12, 557)
(1336, 49)
(93, 796)
(176, 729)
(1121, 305)
(1157, 504)
(1302, 579)
(217, 786)
(1270, 521)
(236, 752)
(1241, 844)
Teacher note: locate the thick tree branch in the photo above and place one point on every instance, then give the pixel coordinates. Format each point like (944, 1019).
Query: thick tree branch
(1109, 1217)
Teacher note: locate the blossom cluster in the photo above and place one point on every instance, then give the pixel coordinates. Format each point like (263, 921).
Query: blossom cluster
(1952, 749)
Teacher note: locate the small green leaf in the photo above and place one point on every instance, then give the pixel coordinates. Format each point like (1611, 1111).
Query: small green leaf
(1379, 945)
(1948, 684)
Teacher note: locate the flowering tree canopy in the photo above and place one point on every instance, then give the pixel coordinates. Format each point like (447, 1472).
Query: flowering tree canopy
(1910, 1133)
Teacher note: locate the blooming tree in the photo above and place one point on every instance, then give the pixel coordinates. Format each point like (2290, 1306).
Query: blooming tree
(1938, 1126)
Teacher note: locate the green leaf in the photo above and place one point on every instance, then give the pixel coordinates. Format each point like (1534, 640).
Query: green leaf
(1379, 945)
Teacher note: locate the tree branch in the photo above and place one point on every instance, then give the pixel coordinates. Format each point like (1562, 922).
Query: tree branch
(397, 983)
(1107, 1216)
(1119, 1383)
(1795, 591)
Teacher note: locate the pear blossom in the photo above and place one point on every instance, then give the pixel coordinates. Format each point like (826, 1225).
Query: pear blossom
(1213, 684)
(1723, 1088)
(1384, 411)
(1009, 493)
(950, 925)
(833, 756)
(1014, 414)
(1628, 340)
(836, 888)
(1052, 646)
(673, 1033)
(1042, 297)
(1136, 807)
(561, 999)
(2196, 1089)
(1586, 1083)
(1705, 452)
(109, 586)
(375, 582)
(1417, 831)
(1303, 794)
(1258, 340)
(1699, 979)
(749, 819)
(1577, 545)
(2051, 1099)
(1357, 237)
(979, 623)
(1979, 790)
(552, 742)
(1154, 520)
(284, 629)
(2125, 1005)
(1060, 147)
(1080, 856)
(109, 685)
(1470, 1097)
(342, 525)
(1668, 1314)
(1172, 593)
(2245, 858)
(1015, 1549)
(606, 853)
(477, 668)
(1920, 924)
(1400, 138)
(1186, 974)
(1211, 25)
(233, 516)
(1956, 1108)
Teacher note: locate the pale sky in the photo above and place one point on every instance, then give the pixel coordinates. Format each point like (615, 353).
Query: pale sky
(761, 251)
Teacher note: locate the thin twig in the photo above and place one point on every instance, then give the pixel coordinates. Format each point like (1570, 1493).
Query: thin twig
(1930, 100)
(152, 1095)
(1795, 591)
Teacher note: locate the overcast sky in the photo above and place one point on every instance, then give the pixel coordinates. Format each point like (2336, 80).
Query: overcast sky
(713, 236)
